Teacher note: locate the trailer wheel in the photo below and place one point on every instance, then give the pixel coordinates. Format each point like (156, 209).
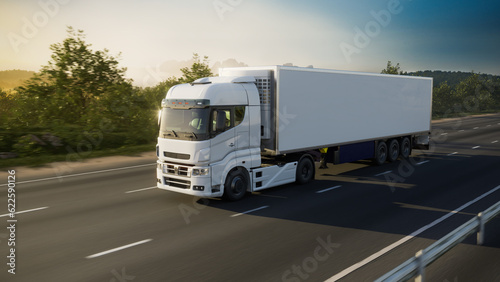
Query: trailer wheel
(393, 150)
(305, 170)
(235, 186)
(405, 148)
(381, 153)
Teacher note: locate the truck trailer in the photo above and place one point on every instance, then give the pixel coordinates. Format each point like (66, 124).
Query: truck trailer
(253, 128)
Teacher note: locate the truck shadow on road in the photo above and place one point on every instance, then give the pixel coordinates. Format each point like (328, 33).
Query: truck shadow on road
(398, 198)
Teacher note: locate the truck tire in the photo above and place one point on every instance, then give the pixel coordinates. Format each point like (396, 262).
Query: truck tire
(405, 150)
(235, 186)
(394, 150)
(381, 153)
(305, 170)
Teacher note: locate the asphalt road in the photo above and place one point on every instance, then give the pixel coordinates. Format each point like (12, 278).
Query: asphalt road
(354, 223)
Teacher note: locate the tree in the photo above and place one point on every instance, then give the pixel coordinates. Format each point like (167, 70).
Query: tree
(390, 69)
(199, 69)
(443, 99)
(475, 93)
(71, 85)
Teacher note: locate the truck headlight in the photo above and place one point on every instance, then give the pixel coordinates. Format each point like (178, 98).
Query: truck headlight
(200, 171)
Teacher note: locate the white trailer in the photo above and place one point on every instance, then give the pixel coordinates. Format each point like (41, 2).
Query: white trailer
(254, 128)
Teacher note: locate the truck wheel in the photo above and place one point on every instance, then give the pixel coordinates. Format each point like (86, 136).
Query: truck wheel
(393, 150)
(381, 153)
(305, 170)
(405, 148)
(235, 186)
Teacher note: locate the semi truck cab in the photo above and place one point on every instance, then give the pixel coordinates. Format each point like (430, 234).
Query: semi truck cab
(205, 133)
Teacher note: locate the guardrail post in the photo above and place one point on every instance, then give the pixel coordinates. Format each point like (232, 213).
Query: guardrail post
(480, 232)
(421, 266)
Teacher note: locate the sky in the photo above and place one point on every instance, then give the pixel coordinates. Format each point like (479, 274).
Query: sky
(155, 38)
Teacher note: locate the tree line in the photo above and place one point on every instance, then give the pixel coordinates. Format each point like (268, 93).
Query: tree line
(81, 101)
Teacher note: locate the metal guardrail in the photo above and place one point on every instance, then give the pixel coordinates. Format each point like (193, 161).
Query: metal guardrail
(415, 267)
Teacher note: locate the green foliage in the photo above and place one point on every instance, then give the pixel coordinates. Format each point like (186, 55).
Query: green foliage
(28, 146)
(475, 94)
(82, 100)
(70, 86)
(390, 69)
(199, 69)
(3, 143)
(452, 78)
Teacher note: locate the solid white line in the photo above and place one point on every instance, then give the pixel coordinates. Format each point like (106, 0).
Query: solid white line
(454, 153)
(496, 141)
(387, 249)
(421, 163)
(444, 133)
(385, 172)
(475, 147)
(79, 174)
(238, 214)
(139, 190)
(32, 210)
(328, 189)
(476, 128)
(118, 249)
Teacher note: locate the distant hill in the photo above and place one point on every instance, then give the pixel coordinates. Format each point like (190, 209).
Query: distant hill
(13, 78)
(453, 78)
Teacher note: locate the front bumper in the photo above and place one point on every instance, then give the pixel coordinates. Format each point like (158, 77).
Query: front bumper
(179, 178)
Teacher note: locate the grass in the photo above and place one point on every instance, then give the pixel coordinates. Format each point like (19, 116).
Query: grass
(38, 161)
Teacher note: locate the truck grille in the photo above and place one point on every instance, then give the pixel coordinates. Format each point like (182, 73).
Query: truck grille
(178, 183)
(176, 155)
(176, 170)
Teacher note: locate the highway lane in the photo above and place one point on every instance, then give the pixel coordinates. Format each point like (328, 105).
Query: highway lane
(291, 232)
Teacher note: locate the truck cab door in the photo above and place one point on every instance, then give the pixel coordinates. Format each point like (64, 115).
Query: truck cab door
(224, 142)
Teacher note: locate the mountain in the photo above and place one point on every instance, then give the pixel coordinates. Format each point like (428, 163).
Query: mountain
(13, 78)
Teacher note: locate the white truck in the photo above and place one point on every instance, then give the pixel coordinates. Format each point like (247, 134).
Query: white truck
(253, 128)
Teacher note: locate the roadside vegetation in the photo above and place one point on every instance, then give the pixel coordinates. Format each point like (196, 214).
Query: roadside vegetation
(80, 105)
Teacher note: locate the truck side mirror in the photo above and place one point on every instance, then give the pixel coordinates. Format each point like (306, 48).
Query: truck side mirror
(221, 121)
(159, 118)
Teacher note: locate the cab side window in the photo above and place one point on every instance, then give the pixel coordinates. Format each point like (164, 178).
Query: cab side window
(239, 115)
(222, 120)
(226, 118)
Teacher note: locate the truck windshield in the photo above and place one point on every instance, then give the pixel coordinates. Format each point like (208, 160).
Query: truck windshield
(185, 124)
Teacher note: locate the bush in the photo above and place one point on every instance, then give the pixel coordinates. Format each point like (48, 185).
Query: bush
(29, 145)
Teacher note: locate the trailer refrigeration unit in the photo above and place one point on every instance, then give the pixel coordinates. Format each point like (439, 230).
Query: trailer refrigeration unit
(253, 128)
